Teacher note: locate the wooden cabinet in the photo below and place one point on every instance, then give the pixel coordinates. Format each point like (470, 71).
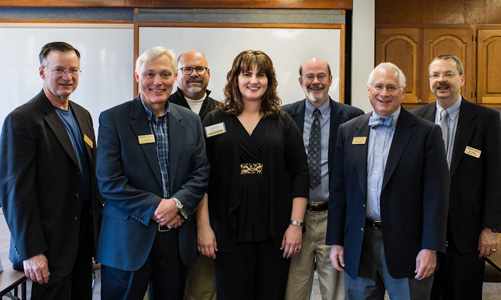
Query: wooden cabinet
(489, 66)
(402, 47)
(412, 50)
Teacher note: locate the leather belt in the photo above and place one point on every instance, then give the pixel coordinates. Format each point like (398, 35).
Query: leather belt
(376, 225)
(318, 206)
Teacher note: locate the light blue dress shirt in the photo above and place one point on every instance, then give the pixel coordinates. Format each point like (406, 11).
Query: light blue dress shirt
(452, 123)
(380, 139)
(321, 192)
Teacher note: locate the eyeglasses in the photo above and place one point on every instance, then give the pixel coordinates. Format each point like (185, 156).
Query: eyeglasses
(188, 70)
(389, 88)
(320, 77)
(447, 75)
(61, 71)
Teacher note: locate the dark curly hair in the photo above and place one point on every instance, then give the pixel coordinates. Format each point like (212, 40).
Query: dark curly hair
(244, 62)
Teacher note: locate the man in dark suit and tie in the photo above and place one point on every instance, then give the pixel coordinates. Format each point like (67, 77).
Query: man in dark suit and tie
(152, 172)
(48, 188)
(472, 138)
(315, 79)
(388, 196)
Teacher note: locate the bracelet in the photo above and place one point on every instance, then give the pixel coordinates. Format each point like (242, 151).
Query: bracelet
(297, 223)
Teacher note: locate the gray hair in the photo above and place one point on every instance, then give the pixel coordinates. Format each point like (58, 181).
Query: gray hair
(154, 53)
(388, 66)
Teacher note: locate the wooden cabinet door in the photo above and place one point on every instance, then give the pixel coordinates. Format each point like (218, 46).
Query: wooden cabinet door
(489, 67)
(401, 46)
(458, 42)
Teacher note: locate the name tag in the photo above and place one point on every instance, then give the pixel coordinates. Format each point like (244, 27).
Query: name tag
(88, 141)
(146, 139)
(472, 152)
(359, 140)
(215, 129)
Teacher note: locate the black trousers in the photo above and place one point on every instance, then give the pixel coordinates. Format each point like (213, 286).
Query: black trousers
(460, 275)
(78, 285)
(163, 272)
(254, 270)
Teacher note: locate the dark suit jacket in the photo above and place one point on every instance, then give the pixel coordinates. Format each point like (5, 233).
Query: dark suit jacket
(413, 197)
(340, 113)
(208, 105)
(130, 181)
(40, 183)
(475, 194)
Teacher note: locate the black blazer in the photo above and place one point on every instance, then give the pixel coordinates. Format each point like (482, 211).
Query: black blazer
(475, 194)
(414, 193)
(340, 113)
(40, 183)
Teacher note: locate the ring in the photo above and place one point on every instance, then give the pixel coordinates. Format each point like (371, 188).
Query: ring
(430, 274)
(494, 250)
(202, 251)
(295, 249)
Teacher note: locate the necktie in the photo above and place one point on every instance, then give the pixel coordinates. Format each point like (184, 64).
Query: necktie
(377, 121)
(314, 150)
(444, 116)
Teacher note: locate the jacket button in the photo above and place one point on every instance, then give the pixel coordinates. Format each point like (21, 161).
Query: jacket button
(77, 195)
(362, 229)
(76, 219)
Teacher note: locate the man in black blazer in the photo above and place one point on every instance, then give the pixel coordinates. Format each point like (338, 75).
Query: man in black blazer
(192, 77)
(315, 79)
(48, 186)
(388, 196)
(472, 135)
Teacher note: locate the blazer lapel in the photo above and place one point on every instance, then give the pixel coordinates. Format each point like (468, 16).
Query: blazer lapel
(402, 136)
(141, 127)
(465, 129)
(176, 136)
(361, 151)
(86, 129)
(56, 125)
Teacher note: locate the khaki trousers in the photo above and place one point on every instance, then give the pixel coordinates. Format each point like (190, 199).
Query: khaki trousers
(201, 281)
(314, 251)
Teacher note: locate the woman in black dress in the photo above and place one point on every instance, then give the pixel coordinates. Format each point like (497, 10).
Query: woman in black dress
(258, 186)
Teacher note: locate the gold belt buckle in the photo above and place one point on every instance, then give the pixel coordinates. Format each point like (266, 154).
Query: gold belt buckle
(163, 230)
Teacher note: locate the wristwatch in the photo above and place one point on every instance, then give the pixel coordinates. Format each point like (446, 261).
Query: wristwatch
(180, 207)
(297, 223)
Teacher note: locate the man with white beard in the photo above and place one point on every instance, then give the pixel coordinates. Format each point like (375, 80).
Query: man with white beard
(318, 117)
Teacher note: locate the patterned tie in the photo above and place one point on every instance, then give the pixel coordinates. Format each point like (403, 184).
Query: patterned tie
(314, 150)
(444, 115)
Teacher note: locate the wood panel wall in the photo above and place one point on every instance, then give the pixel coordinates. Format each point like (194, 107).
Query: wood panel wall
(433, 12)
(299, 4)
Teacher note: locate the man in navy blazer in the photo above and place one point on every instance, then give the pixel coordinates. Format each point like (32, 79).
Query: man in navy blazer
(48, 188)
(388, 196)
(473, 137)
(152, 172)
(315, 79)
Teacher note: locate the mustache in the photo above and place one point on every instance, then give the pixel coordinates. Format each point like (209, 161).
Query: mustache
(196, 80)
(316, 86)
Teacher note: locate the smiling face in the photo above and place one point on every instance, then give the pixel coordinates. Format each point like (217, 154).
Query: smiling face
(156, 81)
(58, 87)
(445, 81)
(385, 102)
(252, 84)
(193, 85)
(315, 81)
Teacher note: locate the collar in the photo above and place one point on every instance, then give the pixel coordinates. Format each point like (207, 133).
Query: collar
(453, 110)
(150, 113)
(324, 108)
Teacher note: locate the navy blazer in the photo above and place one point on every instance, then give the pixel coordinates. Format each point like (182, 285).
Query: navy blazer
(40, 183)
(475, 194)
(413, 199)
(340, 113)
(130, 181)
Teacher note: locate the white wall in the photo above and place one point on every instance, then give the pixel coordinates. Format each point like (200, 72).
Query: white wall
(362, 59)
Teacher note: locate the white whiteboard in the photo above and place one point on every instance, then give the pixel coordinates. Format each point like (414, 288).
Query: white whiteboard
(287, 48)
(107, 59)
